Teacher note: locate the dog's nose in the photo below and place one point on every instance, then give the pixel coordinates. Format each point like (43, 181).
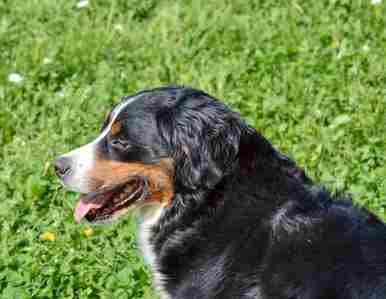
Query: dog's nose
(62, 166)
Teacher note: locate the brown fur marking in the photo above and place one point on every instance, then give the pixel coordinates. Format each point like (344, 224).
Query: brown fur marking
(115, 128)
(159, 177)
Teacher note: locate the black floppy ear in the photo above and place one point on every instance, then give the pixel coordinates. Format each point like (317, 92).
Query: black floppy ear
(202, 159)
(203, 151)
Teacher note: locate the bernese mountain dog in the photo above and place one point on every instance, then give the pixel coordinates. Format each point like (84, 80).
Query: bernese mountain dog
(222, 214)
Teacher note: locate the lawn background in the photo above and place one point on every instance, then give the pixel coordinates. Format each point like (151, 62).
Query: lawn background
(310, 75)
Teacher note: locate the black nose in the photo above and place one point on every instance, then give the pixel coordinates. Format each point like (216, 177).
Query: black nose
(62, 166)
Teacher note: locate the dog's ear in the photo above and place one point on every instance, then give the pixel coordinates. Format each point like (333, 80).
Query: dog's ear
(203, 160)
(204, 148)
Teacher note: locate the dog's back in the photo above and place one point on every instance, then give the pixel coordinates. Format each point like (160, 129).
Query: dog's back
(318, 248)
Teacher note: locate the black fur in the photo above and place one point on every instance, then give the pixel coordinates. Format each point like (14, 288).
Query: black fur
(245, 221)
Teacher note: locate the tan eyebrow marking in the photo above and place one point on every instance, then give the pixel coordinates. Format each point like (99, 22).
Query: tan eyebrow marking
(115, 128)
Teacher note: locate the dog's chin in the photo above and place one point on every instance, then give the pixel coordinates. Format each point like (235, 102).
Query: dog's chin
(110, 203)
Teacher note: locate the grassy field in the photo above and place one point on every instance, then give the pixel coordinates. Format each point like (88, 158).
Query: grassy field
(310, 75)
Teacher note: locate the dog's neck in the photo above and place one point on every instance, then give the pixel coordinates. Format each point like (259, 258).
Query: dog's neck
(264, 172)
(264, 179)
(260, 173)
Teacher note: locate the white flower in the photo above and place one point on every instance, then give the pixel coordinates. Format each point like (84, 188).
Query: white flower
(47, 60)
(366, 48)
(118, 27)
(82, 3)
(60, 93)
(15, 78)
(375, 2)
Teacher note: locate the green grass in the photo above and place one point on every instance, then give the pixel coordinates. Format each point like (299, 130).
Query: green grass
(311, 77)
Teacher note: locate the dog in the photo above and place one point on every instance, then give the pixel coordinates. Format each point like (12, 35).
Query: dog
(222, 214)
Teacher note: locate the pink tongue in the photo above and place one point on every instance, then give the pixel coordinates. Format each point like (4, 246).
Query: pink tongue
(82, 208)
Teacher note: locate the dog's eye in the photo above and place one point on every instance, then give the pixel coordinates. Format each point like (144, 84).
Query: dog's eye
(120, 145)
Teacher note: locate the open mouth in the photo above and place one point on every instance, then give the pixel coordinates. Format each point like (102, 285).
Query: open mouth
(108, 203)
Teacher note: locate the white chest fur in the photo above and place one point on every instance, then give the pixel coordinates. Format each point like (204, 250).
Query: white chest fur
(149, 216)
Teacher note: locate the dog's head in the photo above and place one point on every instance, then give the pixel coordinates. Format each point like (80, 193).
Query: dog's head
(151, 145)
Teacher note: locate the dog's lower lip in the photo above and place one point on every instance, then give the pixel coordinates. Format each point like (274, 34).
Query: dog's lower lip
(104, 203)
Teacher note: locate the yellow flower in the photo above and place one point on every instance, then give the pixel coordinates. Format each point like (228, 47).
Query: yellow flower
(48, 236)
(88, 232)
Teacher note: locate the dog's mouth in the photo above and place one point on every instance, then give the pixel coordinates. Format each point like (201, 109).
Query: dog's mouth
(109, 203)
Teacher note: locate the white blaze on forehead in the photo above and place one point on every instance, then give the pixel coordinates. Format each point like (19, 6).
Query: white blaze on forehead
(83, 158)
